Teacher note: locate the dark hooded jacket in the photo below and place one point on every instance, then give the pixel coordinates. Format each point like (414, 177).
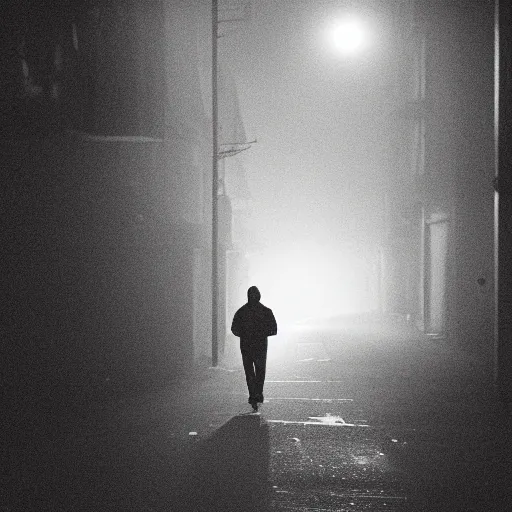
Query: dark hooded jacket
(253, 322)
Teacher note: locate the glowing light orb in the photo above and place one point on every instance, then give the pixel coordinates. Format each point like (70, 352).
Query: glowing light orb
(348, 36)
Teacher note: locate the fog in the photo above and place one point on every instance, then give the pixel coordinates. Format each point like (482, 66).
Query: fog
(368, 190)
(360, 181)
(363, 178)
(317, 171)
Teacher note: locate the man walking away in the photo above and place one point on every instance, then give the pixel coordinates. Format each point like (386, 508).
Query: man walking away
(253, 323)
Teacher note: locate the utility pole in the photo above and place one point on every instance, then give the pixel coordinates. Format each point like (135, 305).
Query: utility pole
(226, 150)
(215, 185)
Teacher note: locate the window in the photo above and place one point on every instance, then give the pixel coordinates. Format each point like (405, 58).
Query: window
(92, 66)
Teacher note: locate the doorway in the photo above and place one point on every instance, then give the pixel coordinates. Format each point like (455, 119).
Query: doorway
(436, 254)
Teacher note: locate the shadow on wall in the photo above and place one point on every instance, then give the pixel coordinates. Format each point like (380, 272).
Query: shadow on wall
(229, 471)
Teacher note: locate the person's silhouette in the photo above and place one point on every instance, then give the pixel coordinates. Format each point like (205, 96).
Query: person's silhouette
(253, 323)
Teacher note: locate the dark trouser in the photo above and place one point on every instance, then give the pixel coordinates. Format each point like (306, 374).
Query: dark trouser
(254, 358)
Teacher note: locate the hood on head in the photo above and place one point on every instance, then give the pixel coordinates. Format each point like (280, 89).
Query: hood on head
(253, 294)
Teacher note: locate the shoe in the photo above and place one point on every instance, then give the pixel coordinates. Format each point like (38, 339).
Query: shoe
(259, 399)
(254, 404)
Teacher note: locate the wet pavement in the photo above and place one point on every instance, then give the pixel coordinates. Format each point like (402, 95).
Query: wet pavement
(400, 424)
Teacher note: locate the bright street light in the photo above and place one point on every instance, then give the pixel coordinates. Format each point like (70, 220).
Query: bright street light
(347, 36)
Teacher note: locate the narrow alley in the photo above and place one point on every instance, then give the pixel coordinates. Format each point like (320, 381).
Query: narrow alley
(349, 162)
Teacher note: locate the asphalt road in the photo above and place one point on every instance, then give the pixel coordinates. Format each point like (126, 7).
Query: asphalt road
(349, 423)
(325, 452)
(359, 425)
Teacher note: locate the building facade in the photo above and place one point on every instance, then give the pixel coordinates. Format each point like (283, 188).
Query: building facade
(106, 192)
(440, 191)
